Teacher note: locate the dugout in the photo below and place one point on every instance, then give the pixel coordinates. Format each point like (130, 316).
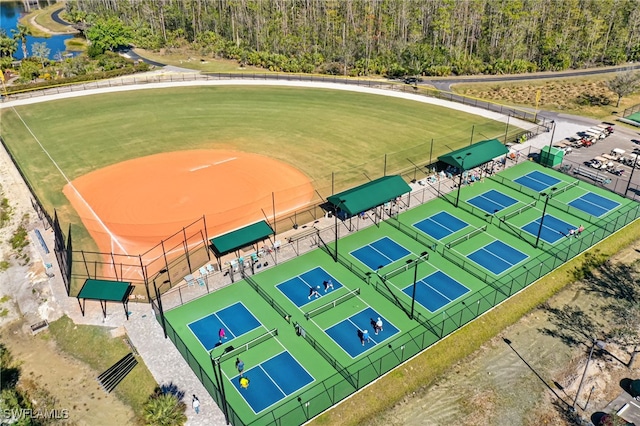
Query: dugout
(243, 237)
(475, 155)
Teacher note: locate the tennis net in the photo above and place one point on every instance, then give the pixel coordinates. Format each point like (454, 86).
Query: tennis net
(324, 308)
(231, 352)
(564, 188)
(466, 237)
(405, 267)
(520, 210)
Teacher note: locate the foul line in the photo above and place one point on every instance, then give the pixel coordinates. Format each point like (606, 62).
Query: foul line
(225, 161)
(113, 237)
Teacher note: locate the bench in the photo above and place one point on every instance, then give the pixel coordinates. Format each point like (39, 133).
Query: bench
(598, 177)
(39, 326)
(303, 234)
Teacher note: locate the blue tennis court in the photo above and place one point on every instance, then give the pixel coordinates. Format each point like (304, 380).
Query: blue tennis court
(553, 229)
(436, 291)
(236, 320)
(497, 257)
(346, 333)
(380, 253)
(272, 381)
(440, 225)
(492, 201)
(537, 181)
(297, 288)
(594, 204)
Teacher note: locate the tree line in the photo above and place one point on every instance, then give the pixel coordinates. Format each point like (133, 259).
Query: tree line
(385, 37)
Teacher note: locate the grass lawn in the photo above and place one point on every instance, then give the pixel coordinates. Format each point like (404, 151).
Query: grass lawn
(317, 131)
(432, 364)
(586, 96)
(193, 60)
(95, 346)
(43, 18)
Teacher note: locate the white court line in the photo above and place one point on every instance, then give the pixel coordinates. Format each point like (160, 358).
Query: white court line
(225, 161)
(111, 234)
(200, 167)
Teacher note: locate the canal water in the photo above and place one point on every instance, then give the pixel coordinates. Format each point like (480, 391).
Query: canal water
(10, 14)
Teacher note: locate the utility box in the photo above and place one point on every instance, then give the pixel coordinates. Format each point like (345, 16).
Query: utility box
(551, 157)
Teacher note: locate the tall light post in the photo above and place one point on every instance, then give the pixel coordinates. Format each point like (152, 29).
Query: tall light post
(544, 210)
(336, 226)
(633, 168)
(461, 172)
(594, 343)
(415, 278)
(553, 132)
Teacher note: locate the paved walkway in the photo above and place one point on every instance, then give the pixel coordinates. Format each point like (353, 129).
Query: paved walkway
(159, 354)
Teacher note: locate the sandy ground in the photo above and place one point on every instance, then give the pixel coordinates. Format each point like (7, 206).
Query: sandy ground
(31, 296)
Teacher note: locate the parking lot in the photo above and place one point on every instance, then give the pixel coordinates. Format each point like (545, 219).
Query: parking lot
(614, 156)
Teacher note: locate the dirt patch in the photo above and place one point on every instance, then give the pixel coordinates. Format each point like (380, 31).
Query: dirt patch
(131, 206)
(532, 377)
(73, 384)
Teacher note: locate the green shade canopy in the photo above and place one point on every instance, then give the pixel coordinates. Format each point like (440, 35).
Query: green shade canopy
(105, 291)
(370, 194)
(110, 291)
(239, 238)
(475, 155)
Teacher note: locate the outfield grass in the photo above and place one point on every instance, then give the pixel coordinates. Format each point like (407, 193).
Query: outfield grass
(94, 346)
(317, 131)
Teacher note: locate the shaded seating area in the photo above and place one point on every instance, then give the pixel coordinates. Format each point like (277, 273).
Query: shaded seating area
(105, 291)
(369, 196)
(233, 241)
(112, 377)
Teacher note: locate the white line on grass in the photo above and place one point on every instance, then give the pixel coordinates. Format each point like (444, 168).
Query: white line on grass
(111, 234)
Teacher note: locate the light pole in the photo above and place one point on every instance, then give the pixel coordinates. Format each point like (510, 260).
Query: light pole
(630, 176)
(553, 132)
(415, 278)
(594, 343)
(461, 172)
(336, 226)
(544, 210)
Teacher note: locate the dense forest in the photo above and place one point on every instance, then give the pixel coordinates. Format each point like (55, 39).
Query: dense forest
(387, 37)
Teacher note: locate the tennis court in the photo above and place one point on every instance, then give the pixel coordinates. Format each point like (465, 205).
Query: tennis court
(380, 253)
(553, 229)
(594, 204)
(497, 257)
(297, 288)
(272, 381)
(236, 320)
(492, 201)
(436, 290)
(537, 180)
(348, 333)
(441, 225)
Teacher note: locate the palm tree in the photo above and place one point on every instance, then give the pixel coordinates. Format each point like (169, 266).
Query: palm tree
(8, 45)
(21, 34)
(164, 409)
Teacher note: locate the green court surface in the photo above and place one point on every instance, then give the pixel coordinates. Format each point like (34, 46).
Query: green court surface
(458, 262)
(635, 117)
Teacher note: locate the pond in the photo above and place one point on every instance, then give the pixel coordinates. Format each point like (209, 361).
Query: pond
(10, 14)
